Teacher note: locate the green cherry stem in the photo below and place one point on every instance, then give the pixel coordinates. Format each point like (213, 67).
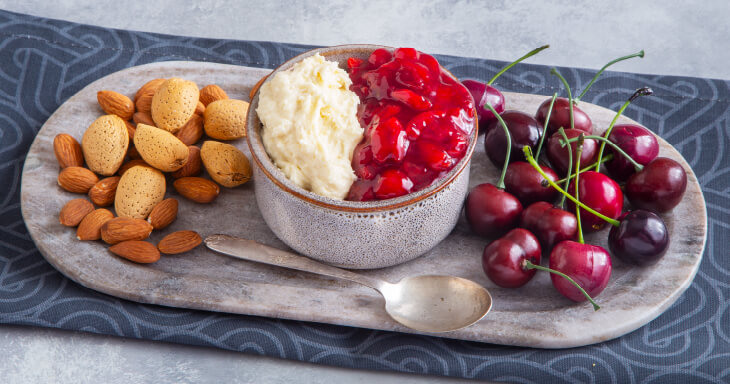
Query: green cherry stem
(500, 183)
(528, 265)
(645, 91)
(613, 145)
(570, 165)
(544, 128)
(581, 139)
(610, 63)
(605, 159)
(570, 95)
(512, 64)
(528, 155)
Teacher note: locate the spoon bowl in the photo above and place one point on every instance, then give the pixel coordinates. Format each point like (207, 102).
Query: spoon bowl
(428, 303)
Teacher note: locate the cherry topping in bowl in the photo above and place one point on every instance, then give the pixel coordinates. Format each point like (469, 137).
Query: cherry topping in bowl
(418, 121)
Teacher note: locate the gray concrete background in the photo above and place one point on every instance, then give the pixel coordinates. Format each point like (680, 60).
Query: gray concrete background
(680, 38)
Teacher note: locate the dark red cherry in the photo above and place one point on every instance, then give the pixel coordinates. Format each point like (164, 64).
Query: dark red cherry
(523, 129)
(503, 259)
(525, 183)
(484, 94)
(551, 225)
(589, 265)
(638, 142)
(640, 239)
(599, 192)
(560, 116)
(558, 154)
(659, 187)
(491, 211)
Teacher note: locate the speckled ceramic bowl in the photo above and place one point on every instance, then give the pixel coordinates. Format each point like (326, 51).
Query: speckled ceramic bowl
(353, 234)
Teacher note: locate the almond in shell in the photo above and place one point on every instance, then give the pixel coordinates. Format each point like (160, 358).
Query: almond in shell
(114, 103)
(173, 104)
(90, 226)
(67, 151)
(143, 97)
(179, 242)
(211, 93)
(160, 149)
(197, 189)
(226, 119)
(163, 214)
(105, 144)
(193, 166)
(139, 190)
(77, 179)
(136, 251)
(102, 193)
(121, 229)
(74, 211)
(227, 165)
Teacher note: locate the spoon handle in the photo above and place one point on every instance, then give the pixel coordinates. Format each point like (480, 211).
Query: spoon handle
(253, 251)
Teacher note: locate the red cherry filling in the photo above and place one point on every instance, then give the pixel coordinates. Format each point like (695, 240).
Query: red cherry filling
(417, 122)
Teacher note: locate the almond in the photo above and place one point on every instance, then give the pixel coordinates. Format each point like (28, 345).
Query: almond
(67, 151)
(143, 98)
(193, 166)
(192, 131)
(90, 226)
(136, 251)
(130, 164)
(160, 148)
(133, 154)
(139, 190)
(199, 109)
(77, 179)
(211, 93)
(143, 118)
(256, 87)
(225, 164)
(197, 189)
(103, 192)
(121, 229)
(114, 103)
(130, 129)
(173, 104)
(105, 144)
(74, 211)
(226, 119)
(179, 242)
(163, 214)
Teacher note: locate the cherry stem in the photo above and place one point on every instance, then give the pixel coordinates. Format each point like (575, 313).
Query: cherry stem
(528, 265)
(613, 145)
(528, 155)
(512, 64)
(570, 95)
(500, 183)
(570, 165)
(610, 63)
(544, 128)
(645, 91)
(581, 139)
(605, 159)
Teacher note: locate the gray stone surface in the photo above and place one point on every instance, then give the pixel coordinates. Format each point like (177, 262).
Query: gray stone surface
(683, 38)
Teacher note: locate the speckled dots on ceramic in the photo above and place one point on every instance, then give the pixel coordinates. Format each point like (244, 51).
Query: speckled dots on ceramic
(358, 235)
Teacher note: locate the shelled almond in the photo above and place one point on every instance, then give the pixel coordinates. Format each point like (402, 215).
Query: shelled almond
(74, 211)
(179, 242)
(68, 151)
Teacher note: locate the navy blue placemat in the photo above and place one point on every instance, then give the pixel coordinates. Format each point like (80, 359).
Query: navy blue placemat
(43, 62)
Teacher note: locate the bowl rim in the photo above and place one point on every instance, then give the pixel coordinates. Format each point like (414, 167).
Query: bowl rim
(277, 176)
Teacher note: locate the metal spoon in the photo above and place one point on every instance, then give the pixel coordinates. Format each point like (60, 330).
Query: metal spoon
(425, 303)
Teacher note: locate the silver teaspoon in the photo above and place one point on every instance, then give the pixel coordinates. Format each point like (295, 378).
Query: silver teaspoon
(429, 303)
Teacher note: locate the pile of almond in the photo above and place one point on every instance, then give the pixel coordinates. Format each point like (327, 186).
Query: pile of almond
(130, 154)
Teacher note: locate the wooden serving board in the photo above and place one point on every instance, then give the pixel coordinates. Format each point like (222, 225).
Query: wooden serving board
(534, 315)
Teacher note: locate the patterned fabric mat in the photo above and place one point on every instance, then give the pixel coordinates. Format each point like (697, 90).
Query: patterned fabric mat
(43, 62)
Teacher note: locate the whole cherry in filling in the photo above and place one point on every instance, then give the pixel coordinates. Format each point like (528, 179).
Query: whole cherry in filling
(418, 121)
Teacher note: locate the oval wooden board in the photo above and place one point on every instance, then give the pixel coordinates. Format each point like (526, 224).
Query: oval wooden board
(534, 315)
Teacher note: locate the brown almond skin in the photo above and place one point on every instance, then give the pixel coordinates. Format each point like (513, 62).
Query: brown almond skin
(163, 214)
(90, 226)
(193, 166)
(68, 151)
(133, 153)
(199, 109)
(114, 103)
(197, 189)
(77, 179)
(211, 93)
(130, 130)
(121, 229)
(143, 98)
(256, 87)
(130, 164)
(102, 193)
(74, 211)
(143, 118)
(179, 242)
(137, 251)
(192, 131)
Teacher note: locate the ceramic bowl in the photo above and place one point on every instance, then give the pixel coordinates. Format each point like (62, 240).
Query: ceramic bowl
(354, 234)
